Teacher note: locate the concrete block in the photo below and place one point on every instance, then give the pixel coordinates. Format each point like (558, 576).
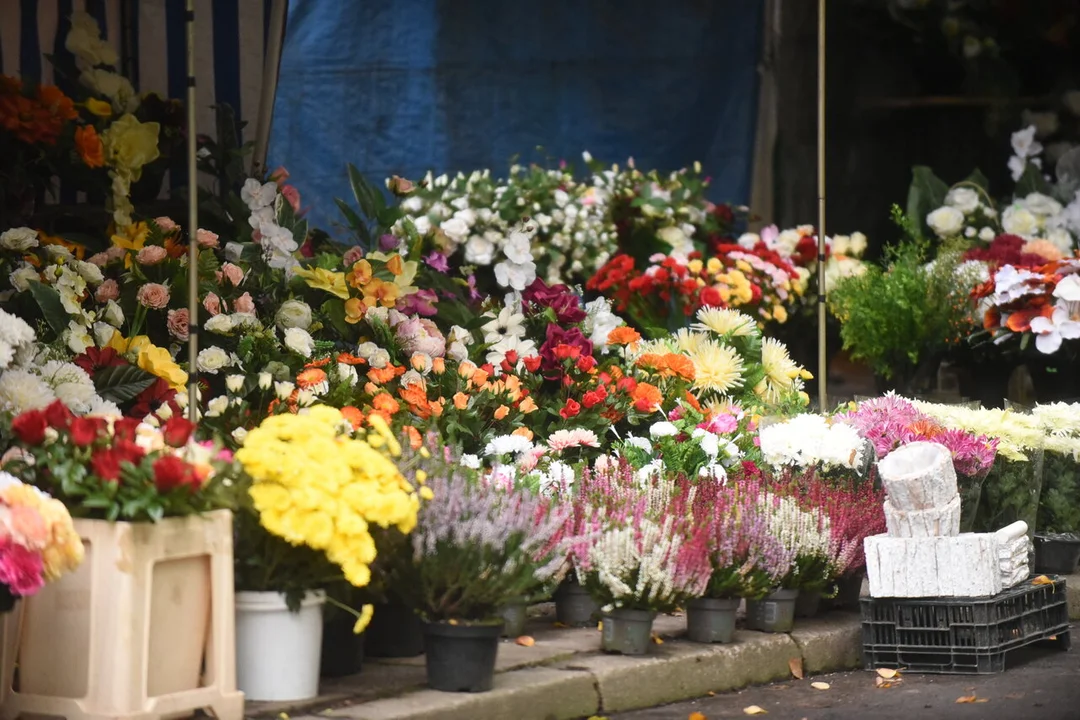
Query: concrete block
(678, 671)
(828, 643)
(935, 522)
(529, 694)
(963, 566)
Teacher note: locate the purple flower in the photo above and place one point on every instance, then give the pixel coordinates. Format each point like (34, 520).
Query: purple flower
(421, 302)
(473, 294)
(388, 242)
(437, 261)
(556, 336)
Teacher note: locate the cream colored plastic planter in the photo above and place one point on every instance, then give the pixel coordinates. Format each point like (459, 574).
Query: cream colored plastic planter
(143, 629)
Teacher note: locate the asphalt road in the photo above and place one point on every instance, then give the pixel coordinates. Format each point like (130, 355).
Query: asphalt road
(1038, 684)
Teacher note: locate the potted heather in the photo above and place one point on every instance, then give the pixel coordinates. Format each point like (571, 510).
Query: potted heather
(476, 547)
(305, 525)
(639, 555)
(148, 503)
(745, 560)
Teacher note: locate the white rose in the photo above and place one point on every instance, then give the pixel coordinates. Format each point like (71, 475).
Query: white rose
(986, 234)
(479, 250)
(964, 199)
(217, 406)
(1041, 204)
(294, 314)
(517, 248)
(299, 341)
(456, 229)
(1061, 239)
(212, 359)
(233, 251)
(239, 435)
(466, 215)
(103, 333)
(19, 239)
(858, 244)
(1018, 220)
(89, 272)
(234, 383)
(673, 236)
(219, 324)
(283, 389)
(265, 380)
(946, 221)
(22, 276)
(422, 225)
(347, 374)
(412, 204)
(379, 359)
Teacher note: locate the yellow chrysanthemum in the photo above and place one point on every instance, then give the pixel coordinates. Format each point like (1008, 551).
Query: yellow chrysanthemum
(723, 321)
(718, 368)
(781, 371)
(687, 341)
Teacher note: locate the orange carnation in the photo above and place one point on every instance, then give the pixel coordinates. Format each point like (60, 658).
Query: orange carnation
(89, 146)
(647, 398)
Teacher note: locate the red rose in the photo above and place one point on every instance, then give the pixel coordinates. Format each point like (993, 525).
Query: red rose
(586, 363)
(58, 416)
(85, 430)
(710, 297)
(570, 409)
(106, 465)
(128, 451)
(30, 427)
(177, 431)
(532, 363)
(124, 428)
(594, 397)
(171, 472)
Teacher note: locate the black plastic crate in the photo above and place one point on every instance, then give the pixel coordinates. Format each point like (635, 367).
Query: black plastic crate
(962, 635)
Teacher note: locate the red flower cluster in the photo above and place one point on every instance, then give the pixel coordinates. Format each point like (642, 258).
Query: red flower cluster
(1006, 250)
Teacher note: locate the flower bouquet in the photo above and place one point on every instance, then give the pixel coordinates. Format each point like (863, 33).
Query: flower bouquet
(476, 547)
(39, 543)
(807, 441)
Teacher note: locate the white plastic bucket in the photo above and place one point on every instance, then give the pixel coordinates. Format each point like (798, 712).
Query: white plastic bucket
(277, 651)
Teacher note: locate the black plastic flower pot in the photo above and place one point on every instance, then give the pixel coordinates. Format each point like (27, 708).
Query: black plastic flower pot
(710, 620)
(574, 607)
(627, 632)
(461, 658)
(342, 649)
(848, 590)
(7, 599)
(808, 604)
(514, 615)
(1057, 554)
(394, 632)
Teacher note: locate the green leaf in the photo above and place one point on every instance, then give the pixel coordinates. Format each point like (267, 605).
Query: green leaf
(977, 178)
(926, 194)
(356, 223)
(368, 197)
(1031, 181)
(120, 383)
(48, 299)
(335, 313)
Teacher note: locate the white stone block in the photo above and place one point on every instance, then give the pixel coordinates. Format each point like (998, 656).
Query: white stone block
(935, 522)
(965, 565)
(919, 476)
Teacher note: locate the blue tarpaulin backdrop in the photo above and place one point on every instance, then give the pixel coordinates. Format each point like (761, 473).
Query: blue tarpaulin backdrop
(414, 85)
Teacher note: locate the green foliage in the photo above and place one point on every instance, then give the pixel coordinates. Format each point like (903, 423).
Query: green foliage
(120, 383)
(375, 215)
(900, 318)
(926, 194)
(1059, 504)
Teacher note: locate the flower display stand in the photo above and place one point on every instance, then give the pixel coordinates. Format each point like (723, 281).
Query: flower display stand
(143, 629)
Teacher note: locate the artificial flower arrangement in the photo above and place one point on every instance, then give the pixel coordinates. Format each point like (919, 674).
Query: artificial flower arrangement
(116, 468)
(38, 542)
(890, 421)
(314, 493)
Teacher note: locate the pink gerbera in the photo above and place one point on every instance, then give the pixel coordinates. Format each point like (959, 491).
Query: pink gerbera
(578, 437)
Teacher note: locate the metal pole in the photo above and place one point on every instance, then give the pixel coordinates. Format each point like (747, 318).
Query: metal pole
(274, 39)
(823, 369)
(192, 223)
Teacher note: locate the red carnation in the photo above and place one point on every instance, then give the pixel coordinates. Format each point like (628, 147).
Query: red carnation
(58, 416)
(171, 472)
(710, 297)
(177, 431)
(30, 427)
(106, 465)
(85, 430)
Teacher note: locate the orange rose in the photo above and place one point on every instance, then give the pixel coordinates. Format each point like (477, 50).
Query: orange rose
(88, 144)
(501, 412)
(523, 432)
(461, 400)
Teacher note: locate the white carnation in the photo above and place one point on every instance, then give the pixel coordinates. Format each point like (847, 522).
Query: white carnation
(22, 390)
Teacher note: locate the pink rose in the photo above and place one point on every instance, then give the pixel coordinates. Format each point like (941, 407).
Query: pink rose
(177, 323)
(115, 253)
(20, 569)
(293, 196)
(151, 255)
(244, 304)
(153, 295)
(206, 239)
(279, 175)
(212, 303)
(166, 224)
(233, 273)
(352, 256)
(108, 290)
(100, 259)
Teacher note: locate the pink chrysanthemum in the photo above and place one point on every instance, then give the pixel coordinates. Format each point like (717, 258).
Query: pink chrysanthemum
(578, 437)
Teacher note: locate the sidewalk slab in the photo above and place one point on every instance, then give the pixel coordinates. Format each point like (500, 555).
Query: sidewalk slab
(564, 676)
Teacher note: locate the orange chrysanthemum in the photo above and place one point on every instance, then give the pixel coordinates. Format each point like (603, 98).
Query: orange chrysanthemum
(623, 335)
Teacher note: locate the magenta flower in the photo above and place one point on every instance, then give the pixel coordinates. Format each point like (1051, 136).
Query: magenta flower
(437, 261)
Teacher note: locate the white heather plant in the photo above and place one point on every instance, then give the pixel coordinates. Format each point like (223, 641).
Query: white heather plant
(811, 441)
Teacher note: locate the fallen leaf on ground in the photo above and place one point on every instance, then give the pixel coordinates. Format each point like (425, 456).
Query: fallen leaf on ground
(820, 685)
(887, 673)
(525, 641)
(697, 716)
(658, 640)
(711, 694)
(561, 625)
(755, 710)
(795, 664)
(1042, 580)
(966, 699)
(883, 683)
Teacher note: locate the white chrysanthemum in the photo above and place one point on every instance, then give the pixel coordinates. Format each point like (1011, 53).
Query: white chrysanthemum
(809, 440)
(100, 407)
(781, 371)
(663, 429)
(506, 444)
(71, 384)
(21, 390)
(14, 330)
(717, 368)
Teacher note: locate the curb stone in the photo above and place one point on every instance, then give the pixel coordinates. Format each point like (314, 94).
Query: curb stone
(592, 683)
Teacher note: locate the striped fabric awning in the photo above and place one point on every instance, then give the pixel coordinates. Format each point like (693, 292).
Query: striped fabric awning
(149, 36)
